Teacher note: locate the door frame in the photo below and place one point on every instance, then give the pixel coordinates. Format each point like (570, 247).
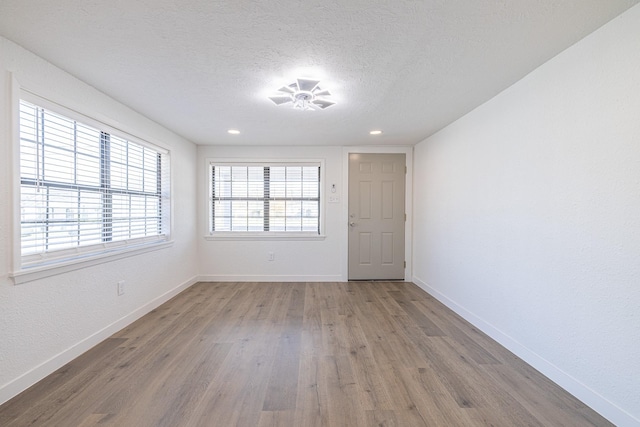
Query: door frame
(408, 203)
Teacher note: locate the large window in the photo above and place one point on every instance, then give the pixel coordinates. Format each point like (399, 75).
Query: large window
(83, 188)
(279, 197)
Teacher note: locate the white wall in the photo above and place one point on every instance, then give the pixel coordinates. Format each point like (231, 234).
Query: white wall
(305, 260)
(310, 260)
(46, 323)
(527, 218)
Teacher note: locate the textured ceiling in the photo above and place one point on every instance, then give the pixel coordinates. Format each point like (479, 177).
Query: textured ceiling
(200, 67)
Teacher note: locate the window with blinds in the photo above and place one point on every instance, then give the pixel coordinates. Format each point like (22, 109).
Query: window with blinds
(83, 188)
(265, 197)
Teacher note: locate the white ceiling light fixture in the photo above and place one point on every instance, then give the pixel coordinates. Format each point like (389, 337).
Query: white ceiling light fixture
(233, 131)
(375, 132)
(305, 94)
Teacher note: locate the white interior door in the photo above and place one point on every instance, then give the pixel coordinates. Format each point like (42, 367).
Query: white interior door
(376, 216)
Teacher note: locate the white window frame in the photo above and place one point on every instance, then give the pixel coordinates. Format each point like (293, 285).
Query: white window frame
(264, 235)
(29, 267)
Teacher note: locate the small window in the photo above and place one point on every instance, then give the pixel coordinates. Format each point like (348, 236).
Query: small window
(265, 198)
(84, 189)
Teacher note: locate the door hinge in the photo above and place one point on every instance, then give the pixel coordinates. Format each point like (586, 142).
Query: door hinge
(405, 170)
(405, 264)
(405, 217)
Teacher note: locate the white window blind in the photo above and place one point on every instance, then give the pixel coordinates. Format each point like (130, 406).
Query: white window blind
(82, 188)
(265, 198)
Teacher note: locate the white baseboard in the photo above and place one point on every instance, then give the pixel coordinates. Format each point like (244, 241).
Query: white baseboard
(26, 380)
(261, 278)
(598, 403)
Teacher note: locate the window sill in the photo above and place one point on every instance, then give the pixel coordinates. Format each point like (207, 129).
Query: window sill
(64, 265)
(264, 236)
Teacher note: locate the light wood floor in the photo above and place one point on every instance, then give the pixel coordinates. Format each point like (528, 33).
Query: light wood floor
(298, 355)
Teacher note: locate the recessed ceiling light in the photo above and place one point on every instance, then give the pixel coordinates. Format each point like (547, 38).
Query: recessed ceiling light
(375, 132)
(233, 131)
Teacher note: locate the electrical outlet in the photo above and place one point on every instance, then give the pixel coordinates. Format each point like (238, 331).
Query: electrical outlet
(271, 256)
(121, 287)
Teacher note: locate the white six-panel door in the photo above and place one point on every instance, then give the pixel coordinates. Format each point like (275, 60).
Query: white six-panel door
(376, 216)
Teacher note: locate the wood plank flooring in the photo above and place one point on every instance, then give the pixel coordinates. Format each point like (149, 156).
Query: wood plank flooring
(298, 354)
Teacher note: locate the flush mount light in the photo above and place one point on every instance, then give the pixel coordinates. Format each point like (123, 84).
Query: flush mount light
(233, 131)
(305, 94)
(375, 132)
